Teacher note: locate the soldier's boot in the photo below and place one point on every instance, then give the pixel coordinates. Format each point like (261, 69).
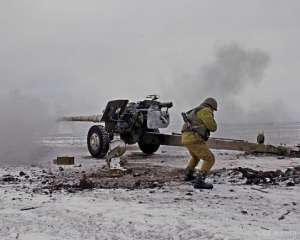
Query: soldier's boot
(189, 175)
(200, 183)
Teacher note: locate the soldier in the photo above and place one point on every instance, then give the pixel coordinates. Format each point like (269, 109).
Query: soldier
(199, 122)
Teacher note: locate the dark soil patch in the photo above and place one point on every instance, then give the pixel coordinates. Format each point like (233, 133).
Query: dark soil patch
(141, 176)
(134, 177)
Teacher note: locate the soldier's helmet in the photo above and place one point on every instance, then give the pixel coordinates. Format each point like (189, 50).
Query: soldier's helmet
(211, 102)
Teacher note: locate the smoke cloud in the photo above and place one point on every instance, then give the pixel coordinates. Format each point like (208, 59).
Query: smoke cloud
(233, 71)
(23, 120)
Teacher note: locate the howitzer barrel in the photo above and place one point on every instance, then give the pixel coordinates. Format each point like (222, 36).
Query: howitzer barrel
(91, 118)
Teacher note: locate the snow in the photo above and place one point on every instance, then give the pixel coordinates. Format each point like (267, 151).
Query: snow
(165, 214)
(175, 211)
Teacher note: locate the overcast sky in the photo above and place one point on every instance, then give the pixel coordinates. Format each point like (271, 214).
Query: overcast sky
(76, 55)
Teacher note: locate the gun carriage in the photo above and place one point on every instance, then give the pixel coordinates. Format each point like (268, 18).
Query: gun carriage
(139, 122)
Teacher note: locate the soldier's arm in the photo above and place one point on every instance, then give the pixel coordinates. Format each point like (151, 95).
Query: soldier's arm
(207, 117)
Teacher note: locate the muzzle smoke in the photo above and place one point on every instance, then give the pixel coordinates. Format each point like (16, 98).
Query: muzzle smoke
(23, 120)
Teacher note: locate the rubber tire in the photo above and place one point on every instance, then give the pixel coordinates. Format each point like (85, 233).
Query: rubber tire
(148, 148)
(104, 141)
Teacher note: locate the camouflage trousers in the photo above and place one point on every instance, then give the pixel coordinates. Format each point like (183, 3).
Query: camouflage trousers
(200, 151)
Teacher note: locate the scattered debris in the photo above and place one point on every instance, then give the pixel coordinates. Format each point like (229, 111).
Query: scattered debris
(9, 178)
(290, 184)
(265, 228)
(282, 217)
(259, 190)
(28, 208)
(268, 177)
(244, 212)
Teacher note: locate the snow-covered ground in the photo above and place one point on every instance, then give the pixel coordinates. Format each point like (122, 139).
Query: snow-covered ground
(175, 211)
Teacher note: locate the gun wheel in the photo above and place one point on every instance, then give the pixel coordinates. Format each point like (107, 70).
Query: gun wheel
(146, 146)
(98, 141)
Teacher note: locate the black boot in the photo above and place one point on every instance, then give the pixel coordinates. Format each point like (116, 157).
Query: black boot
(200, 183)
(189, 175)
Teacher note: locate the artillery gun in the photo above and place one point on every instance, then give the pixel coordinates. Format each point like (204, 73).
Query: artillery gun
(139, 122)
(134, 122)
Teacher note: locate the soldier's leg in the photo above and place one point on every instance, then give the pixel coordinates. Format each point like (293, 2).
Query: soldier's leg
(207, 156)
(208, 161)
(195, 159)
(203, 152)
(189, 171)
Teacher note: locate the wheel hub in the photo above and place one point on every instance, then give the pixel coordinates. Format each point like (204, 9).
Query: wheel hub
(95, 142)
